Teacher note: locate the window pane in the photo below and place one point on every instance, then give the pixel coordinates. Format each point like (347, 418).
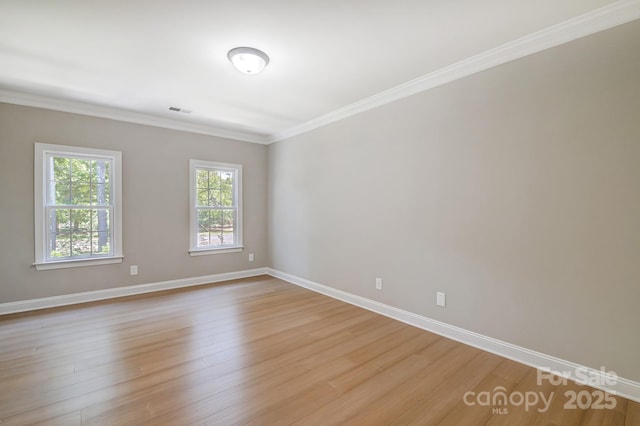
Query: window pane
(203, 220)
(214, 197)
(203, 239)
(80, 170)
(58, 237)
(100, 220)
(203, 197)
(60, 169)
(80, 243)
(80, 194)
(228, 226)
(214, 179)
(59, 220)
(60, 245)
(100, 243)
(99, 171)
(107, 173)
(202, 179)
(80, 220)
(100, 231)
(203, 228)
(107, 193)
(99, 194)
(226, 194)
(61, 193)
(80, 232)
(216, 227)
(58, 180)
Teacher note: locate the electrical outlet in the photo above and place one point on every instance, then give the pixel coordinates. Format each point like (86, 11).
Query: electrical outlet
(440, 299)
(250, 257)
(134, 270)
(378, 283)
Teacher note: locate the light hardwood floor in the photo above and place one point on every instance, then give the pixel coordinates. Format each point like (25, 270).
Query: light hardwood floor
(256, 351)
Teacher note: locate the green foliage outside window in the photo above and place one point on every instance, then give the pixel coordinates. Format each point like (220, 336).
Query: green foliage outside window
(215, 208)
(79, 192)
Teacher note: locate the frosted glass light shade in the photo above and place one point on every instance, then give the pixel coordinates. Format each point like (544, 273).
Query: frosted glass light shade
(248, 60)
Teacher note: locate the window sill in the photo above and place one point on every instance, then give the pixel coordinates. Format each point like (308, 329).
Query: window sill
(75, 263)
(206, 252)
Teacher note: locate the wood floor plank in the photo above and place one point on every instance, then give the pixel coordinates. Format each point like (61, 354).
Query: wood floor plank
(468, 409)
(332, 363)
(255, 351)
(632, 414)
(434, 395)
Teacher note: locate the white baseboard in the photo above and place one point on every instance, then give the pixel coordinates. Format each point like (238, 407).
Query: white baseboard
(623, 387)
(110, 293)
(596, 378)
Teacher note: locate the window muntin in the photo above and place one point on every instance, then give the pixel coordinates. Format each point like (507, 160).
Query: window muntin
(77, 204)
(216, 214)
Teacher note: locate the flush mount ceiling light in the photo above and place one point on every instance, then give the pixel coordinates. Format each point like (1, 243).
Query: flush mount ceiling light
(248, 60)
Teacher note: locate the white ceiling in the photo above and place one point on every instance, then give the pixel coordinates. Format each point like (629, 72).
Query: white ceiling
(141, 56)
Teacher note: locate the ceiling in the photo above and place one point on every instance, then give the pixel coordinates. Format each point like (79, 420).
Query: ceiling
(134, 59)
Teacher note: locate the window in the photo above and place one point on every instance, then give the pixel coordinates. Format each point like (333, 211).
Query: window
(77, 206)
(216, 207)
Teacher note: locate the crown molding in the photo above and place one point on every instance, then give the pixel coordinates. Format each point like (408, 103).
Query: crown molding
(609, 16)
(38, 101)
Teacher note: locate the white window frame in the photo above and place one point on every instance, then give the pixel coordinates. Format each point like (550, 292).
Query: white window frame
(42, 152)
(236, 169)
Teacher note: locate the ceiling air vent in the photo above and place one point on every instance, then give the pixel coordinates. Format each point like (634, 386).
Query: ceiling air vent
(182, 110)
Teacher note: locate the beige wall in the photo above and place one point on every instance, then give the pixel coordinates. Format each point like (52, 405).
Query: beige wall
(516, 191)
(155, 202)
